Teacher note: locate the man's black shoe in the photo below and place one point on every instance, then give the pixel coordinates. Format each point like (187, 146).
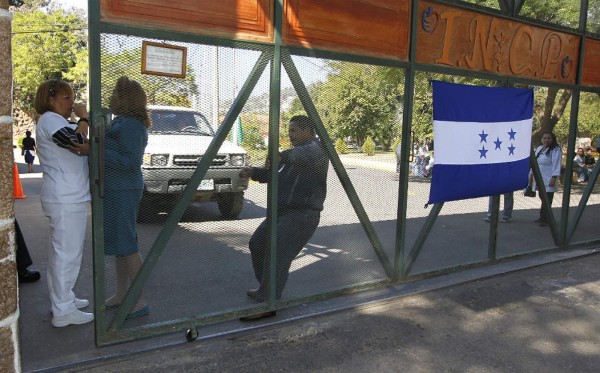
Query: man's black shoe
(256, 295)
(258, 316)
(28, 275)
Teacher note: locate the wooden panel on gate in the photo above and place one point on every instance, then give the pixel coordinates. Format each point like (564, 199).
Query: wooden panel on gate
(365, 27)
(591, 63)
(459, 38)
(238, 19)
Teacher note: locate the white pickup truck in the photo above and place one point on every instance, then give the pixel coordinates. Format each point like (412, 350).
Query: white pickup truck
(177, 141)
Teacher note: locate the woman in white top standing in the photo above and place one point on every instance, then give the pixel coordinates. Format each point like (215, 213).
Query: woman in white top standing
(65, 195)
(549, 159)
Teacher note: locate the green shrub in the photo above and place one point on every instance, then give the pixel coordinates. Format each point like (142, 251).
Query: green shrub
(257, 156)
(369, 146)
(341, 147)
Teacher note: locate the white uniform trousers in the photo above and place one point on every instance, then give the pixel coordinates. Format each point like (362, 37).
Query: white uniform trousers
(67, 232)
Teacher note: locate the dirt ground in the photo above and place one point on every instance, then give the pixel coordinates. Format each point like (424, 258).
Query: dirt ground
(540, 319)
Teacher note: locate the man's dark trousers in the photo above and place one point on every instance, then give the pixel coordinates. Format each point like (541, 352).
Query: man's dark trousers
(294, 229)
(23, 258)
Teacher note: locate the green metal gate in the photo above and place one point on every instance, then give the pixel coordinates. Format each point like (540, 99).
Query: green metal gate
(373, 230)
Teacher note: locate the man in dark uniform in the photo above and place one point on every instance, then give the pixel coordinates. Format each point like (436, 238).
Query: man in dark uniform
(302, 189)
(23, 259)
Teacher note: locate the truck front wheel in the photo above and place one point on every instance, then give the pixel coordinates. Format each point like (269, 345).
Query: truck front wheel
(230, 204)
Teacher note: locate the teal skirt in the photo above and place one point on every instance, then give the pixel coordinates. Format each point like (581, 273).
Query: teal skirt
(120, 215)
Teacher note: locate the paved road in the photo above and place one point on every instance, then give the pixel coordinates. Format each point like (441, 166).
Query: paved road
(542, 319)
(207, 262)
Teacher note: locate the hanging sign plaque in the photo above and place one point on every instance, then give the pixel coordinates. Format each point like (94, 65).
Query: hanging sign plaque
(163, 59)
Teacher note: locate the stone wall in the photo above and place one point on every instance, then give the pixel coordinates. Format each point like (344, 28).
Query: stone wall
(9, 305)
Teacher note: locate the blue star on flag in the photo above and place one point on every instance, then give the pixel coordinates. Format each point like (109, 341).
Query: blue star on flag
(511, 149)
(483, 136)
(512, 134)
(498, 142)
(482, 152)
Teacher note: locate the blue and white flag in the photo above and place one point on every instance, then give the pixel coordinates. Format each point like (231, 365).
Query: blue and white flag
(482, 138)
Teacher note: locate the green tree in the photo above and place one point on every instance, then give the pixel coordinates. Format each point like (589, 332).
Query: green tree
(593, 19)
(588, 119)
(486, 3)
(341, 147)
(368, 146)
(252, 138)
(355, 102)
(558, 12)
(161, 90)
(47, 43)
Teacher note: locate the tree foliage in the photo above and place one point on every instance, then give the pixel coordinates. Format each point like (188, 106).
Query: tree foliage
(356, 102)
(368, 146)
(50, 42)
(558, 12)
(47, 43)
(593, 19)
(161, 90)
(341, 147)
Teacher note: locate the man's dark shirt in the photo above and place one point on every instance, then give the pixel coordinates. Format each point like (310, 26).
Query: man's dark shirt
(589, 160)
(302, 177)
(28, 143)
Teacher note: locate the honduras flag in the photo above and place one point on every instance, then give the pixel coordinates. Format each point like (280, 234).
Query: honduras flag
(482, 138)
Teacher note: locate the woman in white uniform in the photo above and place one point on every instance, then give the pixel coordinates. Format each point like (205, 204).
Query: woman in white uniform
(549, 159)
(65, 195)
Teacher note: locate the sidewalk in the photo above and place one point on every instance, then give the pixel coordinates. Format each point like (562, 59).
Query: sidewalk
(544, 318)
(381, 161)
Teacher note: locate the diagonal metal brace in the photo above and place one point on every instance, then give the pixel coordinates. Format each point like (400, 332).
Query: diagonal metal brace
(175, 216)
(311, 110)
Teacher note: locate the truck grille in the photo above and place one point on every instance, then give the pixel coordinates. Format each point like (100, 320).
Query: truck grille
(193, 160)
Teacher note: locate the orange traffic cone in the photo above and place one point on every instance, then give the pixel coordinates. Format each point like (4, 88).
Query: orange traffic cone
(17, 188)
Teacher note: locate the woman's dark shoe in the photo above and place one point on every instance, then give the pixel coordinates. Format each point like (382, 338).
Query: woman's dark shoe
(28, 275)
(139, 313)
(112, 303)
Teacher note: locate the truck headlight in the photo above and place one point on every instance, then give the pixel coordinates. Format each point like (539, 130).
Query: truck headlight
(156, 159)
(238, 160)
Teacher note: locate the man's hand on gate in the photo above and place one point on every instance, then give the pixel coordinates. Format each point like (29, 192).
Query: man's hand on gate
(246, 172)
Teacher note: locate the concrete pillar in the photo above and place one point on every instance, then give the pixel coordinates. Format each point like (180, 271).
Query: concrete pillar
(9, 306)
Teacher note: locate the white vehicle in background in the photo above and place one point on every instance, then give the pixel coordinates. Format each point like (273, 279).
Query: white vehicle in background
(177, 141)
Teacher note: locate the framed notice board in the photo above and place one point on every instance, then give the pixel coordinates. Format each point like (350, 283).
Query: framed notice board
(163, 59)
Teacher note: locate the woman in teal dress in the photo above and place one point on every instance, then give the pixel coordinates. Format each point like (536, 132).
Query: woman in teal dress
(125, 141)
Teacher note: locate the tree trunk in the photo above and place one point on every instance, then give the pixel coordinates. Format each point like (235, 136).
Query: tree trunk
(551, 114)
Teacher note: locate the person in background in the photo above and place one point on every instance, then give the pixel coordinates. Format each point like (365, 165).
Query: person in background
(398, 155)
(302, 189)
(549, 158)
(579, 165)
(27, 149)
(126, 139)
(588, 162)
(65, 195)
(506, 211)
(429, 165)
(23, 258)
(419, 166)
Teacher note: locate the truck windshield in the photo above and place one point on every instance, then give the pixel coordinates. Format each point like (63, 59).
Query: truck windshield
(170, 122)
